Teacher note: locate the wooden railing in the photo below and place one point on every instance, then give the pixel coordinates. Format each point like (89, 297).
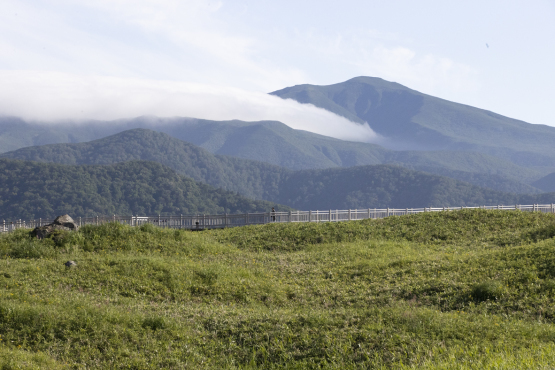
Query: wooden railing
(201, 222)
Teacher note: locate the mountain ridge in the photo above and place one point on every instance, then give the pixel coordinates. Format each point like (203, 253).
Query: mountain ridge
(374, 186)
(415, 120)
(251, 178)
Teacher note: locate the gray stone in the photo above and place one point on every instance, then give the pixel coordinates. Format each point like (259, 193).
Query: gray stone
(64, 222)
(70, 264)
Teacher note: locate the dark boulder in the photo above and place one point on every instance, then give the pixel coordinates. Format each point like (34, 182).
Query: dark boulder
(70, 264)
(61, 223)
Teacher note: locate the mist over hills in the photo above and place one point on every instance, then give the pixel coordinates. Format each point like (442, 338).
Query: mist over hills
(480, 157)
(275, 143)
(409, 119)
(30, 190)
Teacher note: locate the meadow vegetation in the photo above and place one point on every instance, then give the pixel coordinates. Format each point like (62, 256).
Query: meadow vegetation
(470, 289)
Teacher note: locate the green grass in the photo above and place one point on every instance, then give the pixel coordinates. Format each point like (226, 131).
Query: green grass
(450, 290)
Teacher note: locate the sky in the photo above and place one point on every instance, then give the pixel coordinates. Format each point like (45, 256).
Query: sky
(63, 59)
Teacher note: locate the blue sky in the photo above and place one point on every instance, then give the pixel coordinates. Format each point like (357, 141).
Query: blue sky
(217, 59)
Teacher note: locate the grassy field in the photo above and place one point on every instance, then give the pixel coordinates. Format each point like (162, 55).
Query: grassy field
(446, 290)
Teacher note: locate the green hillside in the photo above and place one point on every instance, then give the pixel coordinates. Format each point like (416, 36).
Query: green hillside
(260, 180)
(29, 190)
(445, 290)
(378, 186)
(385, 186)
(412, 120)
(252, 179)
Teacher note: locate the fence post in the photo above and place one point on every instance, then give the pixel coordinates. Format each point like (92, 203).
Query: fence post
(4, 225)
(309, 216)
(551, 207)
(387, 211)
(349, 215)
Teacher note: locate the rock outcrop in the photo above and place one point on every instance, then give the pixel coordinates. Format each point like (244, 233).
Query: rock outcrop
(60, 223)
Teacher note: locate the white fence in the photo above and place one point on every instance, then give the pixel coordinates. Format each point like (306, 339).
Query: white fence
(201, 222)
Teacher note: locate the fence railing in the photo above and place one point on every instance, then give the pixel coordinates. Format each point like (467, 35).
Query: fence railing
(201, 222)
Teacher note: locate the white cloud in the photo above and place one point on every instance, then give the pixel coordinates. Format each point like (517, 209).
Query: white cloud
(364, 51)
(425, 73)
(39, 95)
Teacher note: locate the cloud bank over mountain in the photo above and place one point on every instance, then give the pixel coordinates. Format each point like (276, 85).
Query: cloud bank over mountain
(52, 96)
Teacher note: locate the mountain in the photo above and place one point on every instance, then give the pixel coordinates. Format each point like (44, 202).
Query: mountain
(274, 143)
(546, 183)
(29, 190)
(374, 186)
(409, 119)
(251, 178)
(383, 186)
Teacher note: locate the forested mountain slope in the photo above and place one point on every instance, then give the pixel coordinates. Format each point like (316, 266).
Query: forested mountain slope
(255, 179)
(546, 183)
(251, 178)
(383, 186)
(30, 190)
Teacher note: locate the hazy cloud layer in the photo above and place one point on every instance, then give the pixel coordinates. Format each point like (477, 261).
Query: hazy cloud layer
(264, 46)
(55, 96)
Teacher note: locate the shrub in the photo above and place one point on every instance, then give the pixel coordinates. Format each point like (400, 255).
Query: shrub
(154, 323)
(491, 290)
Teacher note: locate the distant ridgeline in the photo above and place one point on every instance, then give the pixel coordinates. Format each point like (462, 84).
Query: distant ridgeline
(29, 189)
(439, 153)
(269, 142)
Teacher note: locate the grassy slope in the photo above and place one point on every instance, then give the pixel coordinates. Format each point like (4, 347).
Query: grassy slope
(466, 289)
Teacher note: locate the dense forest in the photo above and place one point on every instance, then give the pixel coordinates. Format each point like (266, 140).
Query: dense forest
(30, 190)
(271, 142)
(260, 180)
(252, 179)
(384, 186)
